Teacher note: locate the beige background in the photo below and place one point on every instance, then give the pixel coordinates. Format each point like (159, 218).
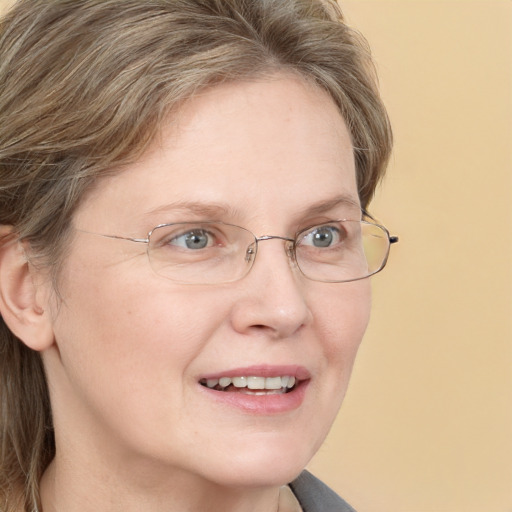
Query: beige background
(427, 423)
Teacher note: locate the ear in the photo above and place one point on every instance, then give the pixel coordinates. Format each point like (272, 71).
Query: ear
(19, 295)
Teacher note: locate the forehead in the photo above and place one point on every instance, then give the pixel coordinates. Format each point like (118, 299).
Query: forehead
(271, 146)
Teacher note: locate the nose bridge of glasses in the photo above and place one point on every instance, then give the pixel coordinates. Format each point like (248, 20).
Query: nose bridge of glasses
(252, 249)
(270, 237)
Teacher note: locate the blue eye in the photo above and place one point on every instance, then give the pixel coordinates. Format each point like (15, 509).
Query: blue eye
(194, 239)
(322, 236)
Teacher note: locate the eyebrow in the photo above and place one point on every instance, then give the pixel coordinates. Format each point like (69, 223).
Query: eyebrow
(329, 204)
(208, 210)
(219, 210)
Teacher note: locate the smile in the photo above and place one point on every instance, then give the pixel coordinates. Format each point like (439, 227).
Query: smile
(252, 385)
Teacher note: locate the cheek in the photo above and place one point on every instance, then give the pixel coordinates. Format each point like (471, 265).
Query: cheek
(122, 326)
(342, 313)
(116, 323)
(125, 352)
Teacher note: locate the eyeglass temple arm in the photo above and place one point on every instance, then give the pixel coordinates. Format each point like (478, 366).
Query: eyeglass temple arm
(116, 237)
(392, 239)
(138, 240)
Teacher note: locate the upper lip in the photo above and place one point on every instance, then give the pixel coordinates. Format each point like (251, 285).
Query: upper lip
(297, 371)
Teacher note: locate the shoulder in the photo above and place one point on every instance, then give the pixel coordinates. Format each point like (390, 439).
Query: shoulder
(315, 496)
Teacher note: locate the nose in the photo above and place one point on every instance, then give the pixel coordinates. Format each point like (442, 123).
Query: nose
(273, 299)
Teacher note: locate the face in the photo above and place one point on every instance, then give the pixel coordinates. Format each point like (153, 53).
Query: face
(133, 350)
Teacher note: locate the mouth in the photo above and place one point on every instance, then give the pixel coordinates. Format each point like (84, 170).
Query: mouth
(260, 390)
(252, 385)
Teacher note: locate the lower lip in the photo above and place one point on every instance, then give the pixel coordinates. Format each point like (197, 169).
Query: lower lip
(261, 404)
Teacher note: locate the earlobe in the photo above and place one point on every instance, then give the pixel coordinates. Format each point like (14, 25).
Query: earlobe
(19, 306)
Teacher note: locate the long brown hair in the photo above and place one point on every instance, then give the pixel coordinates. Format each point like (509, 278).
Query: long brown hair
(84, 86)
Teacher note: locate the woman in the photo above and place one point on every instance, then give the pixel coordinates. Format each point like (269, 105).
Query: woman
(160, 350)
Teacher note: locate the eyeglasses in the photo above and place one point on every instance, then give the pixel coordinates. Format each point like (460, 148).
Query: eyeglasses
(213, 252)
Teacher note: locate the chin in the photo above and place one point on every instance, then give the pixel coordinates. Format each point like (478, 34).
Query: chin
(264, 464)
(249, 475)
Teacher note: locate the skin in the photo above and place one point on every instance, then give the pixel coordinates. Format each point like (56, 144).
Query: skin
(134, 429)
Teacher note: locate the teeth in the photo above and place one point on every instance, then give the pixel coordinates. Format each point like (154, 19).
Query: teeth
(273, 383)
(261, 392)
(211, 383)
(253, 382)
(224, 382)
(256, 382)
(239, 382)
